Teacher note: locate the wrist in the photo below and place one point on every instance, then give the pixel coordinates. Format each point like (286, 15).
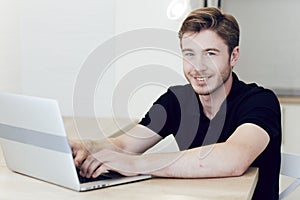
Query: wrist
(90, 146)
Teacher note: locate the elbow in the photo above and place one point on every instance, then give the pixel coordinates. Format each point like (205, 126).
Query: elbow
(227, 170)
(237, 170)
(238, 165)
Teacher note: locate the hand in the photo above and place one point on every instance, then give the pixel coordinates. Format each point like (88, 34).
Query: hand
(80, 152)
(104, 160)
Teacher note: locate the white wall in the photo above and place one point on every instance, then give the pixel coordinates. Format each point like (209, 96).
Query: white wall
(269, 41)
(132, 18)
(10, 79)
(57, 37)
(46, 44)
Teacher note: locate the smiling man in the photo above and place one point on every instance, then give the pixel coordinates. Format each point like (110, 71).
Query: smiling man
(221, 124)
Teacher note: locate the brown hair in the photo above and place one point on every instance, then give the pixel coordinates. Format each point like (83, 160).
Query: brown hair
(209, 18)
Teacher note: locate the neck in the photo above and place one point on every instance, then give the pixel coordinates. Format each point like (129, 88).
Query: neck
(211, 103)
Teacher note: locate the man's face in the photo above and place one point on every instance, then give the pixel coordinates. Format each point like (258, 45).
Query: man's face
(206, 62)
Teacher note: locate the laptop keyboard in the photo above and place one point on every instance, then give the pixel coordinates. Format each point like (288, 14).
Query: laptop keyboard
(104, 176)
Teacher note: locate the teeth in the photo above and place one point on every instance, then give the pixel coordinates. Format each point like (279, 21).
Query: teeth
(201, 79)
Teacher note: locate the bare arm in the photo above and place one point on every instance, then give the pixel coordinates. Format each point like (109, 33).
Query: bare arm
(230, 158)
(135, 141)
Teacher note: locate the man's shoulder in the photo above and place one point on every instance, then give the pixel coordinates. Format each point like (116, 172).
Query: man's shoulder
(253, 91)
(257, 92)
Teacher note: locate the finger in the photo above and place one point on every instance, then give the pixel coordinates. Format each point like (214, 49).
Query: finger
(85, 165)
(73, 147)
(80, 156)
(79, 152)
(94, 166)
(100, 170)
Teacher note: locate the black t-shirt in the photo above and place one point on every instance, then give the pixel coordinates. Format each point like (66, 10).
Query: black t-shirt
(179, 112)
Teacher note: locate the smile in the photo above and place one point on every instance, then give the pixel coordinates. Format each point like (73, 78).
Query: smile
(201, 78)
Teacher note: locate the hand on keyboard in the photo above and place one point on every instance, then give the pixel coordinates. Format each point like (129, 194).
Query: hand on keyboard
(104, 176)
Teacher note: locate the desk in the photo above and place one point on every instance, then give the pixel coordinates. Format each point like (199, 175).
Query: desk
(15, 186)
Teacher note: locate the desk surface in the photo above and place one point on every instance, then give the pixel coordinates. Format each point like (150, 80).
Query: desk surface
(16, 186)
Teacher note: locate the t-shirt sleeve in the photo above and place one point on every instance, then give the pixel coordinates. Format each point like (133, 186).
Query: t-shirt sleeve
(262, 109)
(162, 116)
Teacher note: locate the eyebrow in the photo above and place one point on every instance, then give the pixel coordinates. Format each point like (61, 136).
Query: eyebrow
(212, 49)
(204, 50)
(187, 49)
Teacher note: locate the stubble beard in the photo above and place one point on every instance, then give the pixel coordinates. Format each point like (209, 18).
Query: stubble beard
(211, 91)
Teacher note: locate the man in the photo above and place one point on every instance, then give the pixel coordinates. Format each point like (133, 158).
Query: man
(222, 125)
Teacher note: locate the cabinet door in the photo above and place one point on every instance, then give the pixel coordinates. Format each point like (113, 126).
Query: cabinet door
(290, 141)
(291, 128)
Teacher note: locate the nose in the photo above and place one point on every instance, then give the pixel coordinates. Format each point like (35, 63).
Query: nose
(200, 63)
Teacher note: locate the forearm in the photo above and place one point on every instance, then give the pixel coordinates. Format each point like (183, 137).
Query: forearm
(230, 158)
(94, 146)
(135, 141)
(209, 161)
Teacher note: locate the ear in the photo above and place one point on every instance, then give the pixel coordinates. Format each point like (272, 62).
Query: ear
(234, 56)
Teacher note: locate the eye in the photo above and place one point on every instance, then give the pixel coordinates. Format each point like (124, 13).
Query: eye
(210, 53)
(188, 54)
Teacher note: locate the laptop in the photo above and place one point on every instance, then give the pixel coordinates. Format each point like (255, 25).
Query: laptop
(34, 143)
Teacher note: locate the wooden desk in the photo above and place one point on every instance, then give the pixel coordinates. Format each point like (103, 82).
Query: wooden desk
(289, 99)
(16, 186)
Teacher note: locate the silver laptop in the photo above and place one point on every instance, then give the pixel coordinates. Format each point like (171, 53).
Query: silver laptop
(34, 143)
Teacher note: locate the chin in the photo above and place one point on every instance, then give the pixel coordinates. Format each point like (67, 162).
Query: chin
(201, 91)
